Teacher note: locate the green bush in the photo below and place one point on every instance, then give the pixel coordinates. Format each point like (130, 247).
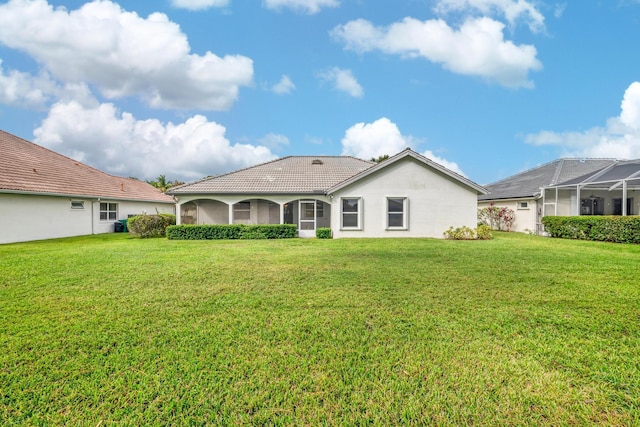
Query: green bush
(231, 231)
(615, 229)
(323, 233)
(150, 225)
(483, 232)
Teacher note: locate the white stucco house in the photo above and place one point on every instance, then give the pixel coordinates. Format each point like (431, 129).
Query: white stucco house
(568, 187)
(45, 195)
(407, 195)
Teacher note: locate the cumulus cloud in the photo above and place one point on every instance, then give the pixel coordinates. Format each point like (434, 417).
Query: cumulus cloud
(119, 144)
(284, 86)
(344, 81)
(372, 140)
(305, 6)
(198, 4)
(123, 54)
(619, 138)
(477, 48)
(513, 11)
(24, 90)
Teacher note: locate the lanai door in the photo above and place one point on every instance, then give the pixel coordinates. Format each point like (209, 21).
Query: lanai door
(307, 226)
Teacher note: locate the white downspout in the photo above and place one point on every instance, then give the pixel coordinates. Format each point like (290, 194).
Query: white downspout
(624, 198)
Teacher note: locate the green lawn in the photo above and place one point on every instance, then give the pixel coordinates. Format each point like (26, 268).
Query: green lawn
(520, 330)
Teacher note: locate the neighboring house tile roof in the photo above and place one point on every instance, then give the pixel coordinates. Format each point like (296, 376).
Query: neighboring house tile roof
(288, 175)
(528, 183)
(26, 167)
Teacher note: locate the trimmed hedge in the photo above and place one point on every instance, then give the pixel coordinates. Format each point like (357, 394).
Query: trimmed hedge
(231, 231)
(615, 229)
(150, 225)
(323, 233)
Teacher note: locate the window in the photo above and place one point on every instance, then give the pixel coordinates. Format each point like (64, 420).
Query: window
(396, 213)
(242, 210)
(351, 211)
(617, 206)
(108, 211)
(523, 205)
(592, 206)
(77, 204)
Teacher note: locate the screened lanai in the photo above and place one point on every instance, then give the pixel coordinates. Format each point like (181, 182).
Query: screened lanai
(614, 190)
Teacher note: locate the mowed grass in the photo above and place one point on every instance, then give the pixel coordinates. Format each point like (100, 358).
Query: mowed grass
(520, 330)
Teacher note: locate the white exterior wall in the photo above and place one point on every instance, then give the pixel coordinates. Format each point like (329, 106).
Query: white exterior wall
(435, 202)
(37, 217)
(525, 220)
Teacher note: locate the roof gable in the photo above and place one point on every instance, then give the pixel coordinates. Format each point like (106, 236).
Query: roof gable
(26, 167)
(421, 159)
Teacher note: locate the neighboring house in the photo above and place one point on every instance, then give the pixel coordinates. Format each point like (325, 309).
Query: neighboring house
(407, 195)
(523, 193)
(46, 195)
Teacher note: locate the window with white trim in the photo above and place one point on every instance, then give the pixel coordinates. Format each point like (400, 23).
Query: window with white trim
(108, 211)
(523, 205)
(351, 212)
(77, 204)
(397, 213)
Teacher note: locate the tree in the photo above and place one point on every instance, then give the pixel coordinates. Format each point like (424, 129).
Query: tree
(163, 185)
(380, 158)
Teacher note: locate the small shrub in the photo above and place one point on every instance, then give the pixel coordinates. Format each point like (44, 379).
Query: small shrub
(150, 225)
(231, 231)
(483, 232)
(323, 233)
(498, 218)
(460, 233)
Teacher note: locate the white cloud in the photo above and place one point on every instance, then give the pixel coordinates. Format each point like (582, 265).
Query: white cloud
(344, 81)
(24, 90)
(198, 4)
(512, 10)
(37, 92)
(372, 140)
(120, 144)
(123, 54)
(274, 141)
(619, 138)
(305, 6)
(477, 48)
(284, 86)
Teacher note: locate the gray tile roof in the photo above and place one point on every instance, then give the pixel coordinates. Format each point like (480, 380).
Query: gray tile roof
(26, 167)
(528, 183)
(288, 175)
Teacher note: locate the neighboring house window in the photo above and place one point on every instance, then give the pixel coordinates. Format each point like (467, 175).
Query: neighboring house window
(592, 206)
(617, 206)
(523, 205)
(108, 211)
(351, 213)
(77, 204)
(397, 213)
(242, 210)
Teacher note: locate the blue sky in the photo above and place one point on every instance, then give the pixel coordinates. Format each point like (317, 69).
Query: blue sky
(195, 88)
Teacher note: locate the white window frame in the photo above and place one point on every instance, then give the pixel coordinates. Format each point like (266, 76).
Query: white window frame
(358, 214)
(77, 205)
(404, 213)
(109, 211)
(526, 205)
